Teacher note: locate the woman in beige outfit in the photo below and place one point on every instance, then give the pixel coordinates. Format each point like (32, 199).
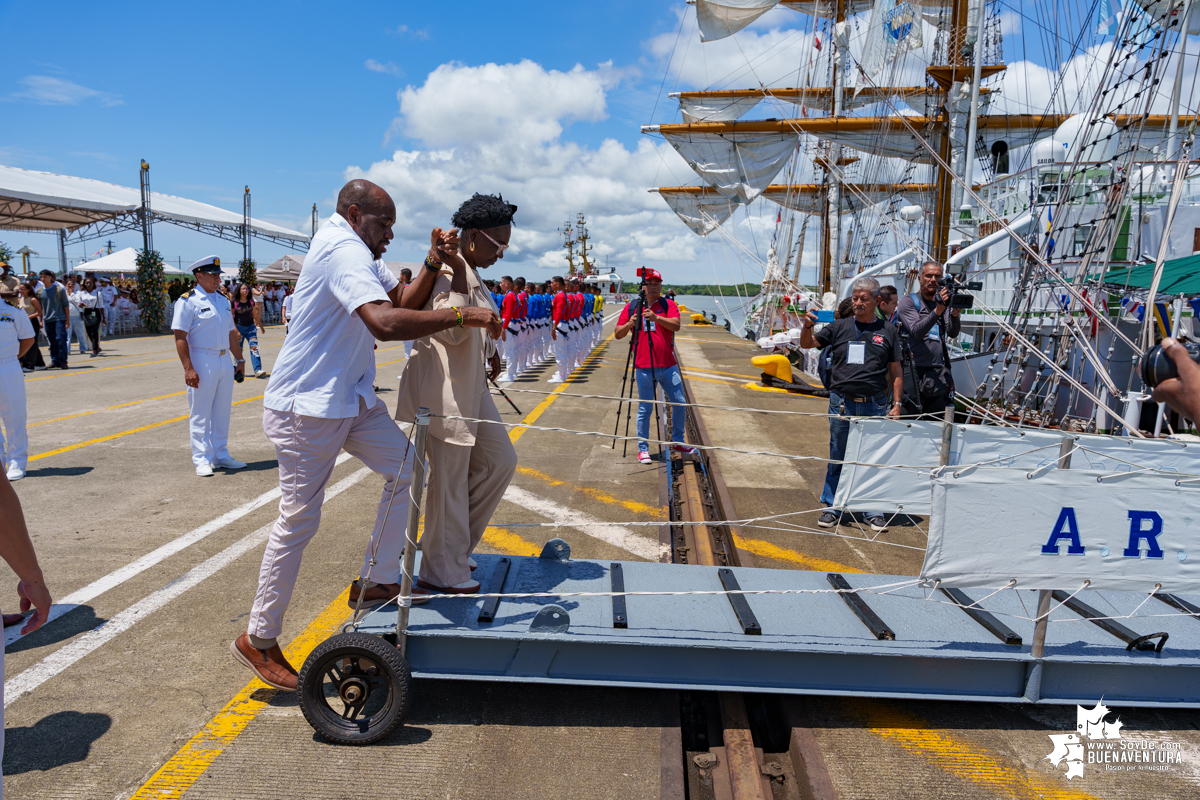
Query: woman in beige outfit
(470, 463)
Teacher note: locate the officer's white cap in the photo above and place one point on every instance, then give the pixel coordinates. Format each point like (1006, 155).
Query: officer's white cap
(207, 264)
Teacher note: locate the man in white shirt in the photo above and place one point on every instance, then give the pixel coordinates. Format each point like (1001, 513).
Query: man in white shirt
(320, 400)
(16, 336)
(204, 336)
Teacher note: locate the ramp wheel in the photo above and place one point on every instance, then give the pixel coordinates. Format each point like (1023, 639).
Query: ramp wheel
(355, 688)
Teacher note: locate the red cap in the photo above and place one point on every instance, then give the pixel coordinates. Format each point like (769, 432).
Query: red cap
(648, 272)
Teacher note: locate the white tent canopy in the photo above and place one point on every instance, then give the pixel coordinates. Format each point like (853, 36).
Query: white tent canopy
(43, 201)
(122, 261)
(283, 269)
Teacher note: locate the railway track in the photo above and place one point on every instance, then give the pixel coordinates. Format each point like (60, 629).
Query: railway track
(729, 745)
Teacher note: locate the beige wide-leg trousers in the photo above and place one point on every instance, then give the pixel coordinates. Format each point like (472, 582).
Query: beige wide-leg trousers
(466, 485)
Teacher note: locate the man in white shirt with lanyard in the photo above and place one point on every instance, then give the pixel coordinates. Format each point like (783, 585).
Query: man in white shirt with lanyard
(320, 400)
(16, 336)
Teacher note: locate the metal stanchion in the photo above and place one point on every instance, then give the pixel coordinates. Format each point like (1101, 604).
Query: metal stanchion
(1033, 678)
(415, 492)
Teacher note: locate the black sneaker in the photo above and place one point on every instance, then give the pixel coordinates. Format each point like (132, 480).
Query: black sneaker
(877, 522)
(829, 518)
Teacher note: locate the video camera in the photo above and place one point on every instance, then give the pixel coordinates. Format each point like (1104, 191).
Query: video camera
(1157, 366)
(953, 280)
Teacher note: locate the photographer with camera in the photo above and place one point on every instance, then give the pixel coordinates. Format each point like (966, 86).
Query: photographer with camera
(865, 363)
(653, 319)
(927, 319)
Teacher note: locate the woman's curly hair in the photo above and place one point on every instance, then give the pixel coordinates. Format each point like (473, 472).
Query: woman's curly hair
(483, 211)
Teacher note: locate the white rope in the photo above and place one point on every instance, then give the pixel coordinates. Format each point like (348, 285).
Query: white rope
(919, 469)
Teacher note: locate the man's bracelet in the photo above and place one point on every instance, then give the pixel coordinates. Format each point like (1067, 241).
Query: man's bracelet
(432, 266)
(458, 314)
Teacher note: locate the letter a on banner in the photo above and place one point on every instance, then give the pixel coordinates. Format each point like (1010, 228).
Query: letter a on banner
(1067, 528)
(1137, 533)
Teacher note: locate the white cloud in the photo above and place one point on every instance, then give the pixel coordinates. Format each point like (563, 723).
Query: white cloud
(520, 102)
(50, 91)
(498, 128)
(387, 68)
(404, 30)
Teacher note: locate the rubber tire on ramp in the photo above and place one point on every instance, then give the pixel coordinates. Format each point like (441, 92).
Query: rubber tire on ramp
(359, 654)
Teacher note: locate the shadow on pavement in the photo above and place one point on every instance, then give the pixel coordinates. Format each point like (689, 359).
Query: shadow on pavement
(57, 472)
(62, 738)
(77, 620)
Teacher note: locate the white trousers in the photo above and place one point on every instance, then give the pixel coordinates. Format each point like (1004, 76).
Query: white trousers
(77, 333)
(210, 404)
(307, 448)
(14, 442)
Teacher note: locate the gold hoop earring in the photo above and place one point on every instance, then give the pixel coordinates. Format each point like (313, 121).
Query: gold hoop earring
(472, 247)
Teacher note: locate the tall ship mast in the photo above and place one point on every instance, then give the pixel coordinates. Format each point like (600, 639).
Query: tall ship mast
(581, 237)
(897, 138)
(569, 243)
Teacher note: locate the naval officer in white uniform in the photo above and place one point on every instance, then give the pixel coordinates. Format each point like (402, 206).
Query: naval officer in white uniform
(204, 337)
(16, 336)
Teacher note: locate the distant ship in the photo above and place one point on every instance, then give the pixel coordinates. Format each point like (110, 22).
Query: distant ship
(581, 267)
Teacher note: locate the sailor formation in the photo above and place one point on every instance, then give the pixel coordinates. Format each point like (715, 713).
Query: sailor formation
(561, 319)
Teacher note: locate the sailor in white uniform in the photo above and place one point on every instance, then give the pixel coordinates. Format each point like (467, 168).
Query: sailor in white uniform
(16, 336)
(204, 337)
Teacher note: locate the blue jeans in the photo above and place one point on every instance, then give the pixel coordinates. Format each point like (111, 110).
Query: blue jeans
(672, 384)
(249, 333)
(839, 433)
(56, 335)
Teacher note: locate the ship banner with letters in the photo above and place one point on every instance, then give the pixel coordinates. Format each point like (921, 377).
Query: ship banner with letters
(1055, 529)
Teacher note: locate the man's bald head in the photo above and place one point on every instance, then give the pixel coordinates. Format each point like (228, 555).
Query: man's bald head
(370, 212)
(370, 198)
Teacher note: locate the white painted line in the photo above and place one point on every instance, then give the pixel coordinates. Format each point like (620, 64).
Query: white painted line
(64, 657)
(616, 535)
(117, 577)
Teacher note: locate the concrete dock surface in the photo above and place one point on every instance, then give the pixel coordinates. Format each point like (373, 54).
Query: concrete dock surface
(133, 693)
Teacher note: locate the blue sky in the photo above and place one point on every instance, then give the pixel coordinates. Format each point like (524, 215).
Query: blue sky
(275, 95)
(539, 100)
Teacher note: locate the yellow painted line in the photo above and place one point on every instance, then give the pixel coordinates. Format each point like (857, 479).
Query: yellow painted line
(113, 436)
(719, 381)
(186, 766)
(597, 494)
(110, 408)
(719, 372)
(148, 399)
(958, 755)
(766, 549)
(71, 373)
(508, 542)
(532, 416)
(68, 416)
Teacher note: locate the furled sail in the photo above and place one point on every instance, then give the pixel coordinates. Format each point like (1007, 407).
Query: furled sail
(717, 109)
(703, 211)
(726, 105)
(738, 165)
(721, 18)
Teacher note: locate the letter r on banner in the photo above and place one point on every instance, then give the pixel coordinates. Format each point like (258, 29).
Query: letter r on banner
(1066, 528)
(1137, 532)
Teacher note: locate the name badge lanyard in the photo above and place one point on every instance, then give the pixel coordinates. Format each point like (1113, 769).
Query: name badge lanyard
(856, 352)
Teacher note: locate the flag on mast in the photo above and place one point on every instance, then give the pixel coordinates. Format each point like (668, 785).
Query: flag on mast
(894, 29)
